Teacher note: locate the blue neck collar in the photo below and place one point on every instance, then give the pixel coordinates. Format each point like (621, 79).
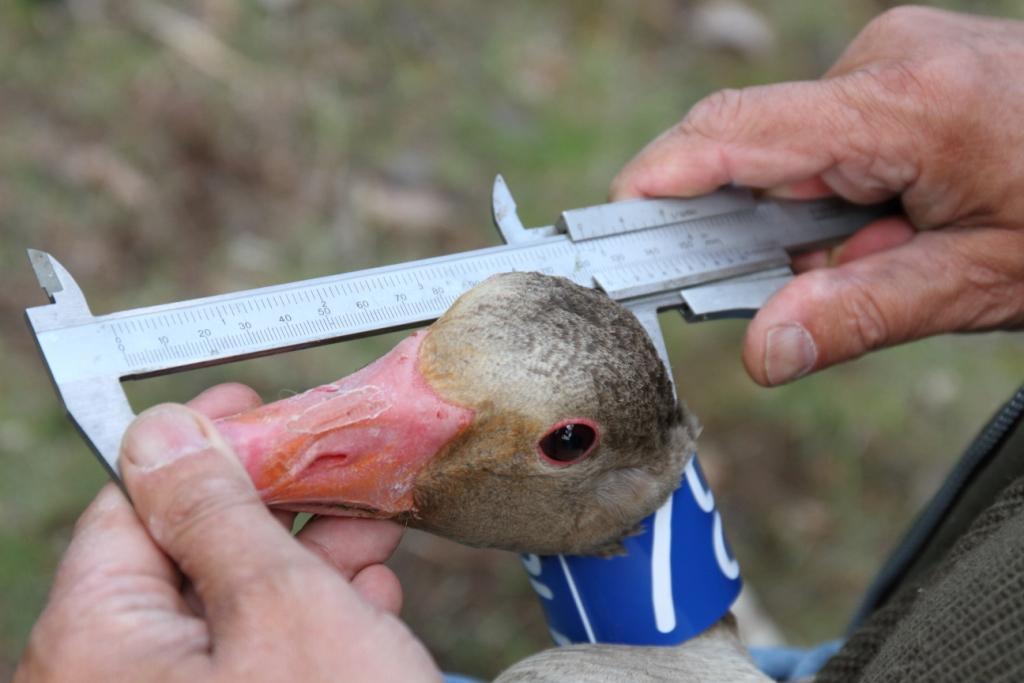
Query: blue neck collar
(676, 579)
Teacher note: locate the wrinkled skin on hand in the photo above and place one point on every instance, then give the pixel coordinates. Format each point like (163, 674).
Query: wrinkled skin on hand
(204, 584)
(925, 105)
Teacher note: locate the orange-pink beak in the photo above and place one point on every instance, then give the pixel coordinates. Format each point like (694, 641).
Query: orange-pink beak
(354, 446)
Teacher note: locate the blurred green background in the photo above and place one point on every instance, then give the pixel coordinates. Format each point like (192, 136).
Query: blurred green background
(169, 150)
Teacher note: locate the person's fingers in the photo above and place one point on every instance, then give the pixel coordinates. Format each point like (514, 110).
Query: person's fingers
(809, 260)
(109, 543)
(848, 131)
(886, 233)
(199, 505)
(379, 586)
(811, 188)
(116, 595)
(285, 518)
(231, 398)
(957, 279)
(109, 538)
(224, 400)
(356, 548)
(351, 544)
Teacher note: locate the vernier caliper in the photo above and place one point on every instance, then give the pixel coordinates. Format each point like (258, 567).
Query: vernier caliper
(720, 255)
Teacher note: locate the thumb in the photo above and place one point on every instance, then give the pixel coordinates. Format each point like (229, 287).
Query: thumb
(199, 505)
(847, 131)
(958, 279)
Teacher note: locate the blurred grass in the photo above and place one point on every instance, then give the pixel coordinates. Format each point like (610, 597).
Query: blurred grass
(248, 145)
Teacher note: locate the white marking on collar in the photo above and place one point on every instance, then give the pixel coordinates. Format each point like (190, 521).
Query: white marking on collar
(576, 599)
(704, 497)
(661, 569)
(729, 566)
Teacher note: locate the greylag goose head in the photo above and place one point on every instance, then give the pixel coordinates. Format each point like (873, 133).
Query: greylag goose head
(534, 416)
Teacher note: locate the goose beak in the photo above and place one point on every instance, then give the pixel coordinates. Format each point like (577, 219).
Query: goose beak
(352, 447)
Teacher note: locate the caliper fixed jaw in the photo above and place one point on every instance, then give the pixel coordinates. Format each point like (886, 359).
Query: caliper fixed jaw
(67, 303)
(96, 404)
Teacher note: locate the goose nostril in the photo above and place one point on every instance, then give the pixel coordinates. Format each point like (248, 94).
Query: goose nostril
(324, 463)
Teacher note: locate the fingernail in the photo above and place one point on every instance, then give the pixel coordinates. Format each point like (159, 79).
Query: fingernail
(789, 353)
(161, 435)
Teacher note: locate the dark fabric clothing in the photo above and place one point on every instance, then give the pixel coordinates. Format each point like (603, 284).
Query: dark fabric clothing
(962, 619)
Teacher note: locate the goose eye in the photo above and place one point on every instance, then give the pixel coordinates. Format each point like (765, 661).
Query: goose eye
(568, 443)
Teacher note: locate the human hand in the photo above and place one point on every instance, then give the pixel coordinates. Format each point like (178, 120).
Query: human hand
(209, 586)
(924, 104)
